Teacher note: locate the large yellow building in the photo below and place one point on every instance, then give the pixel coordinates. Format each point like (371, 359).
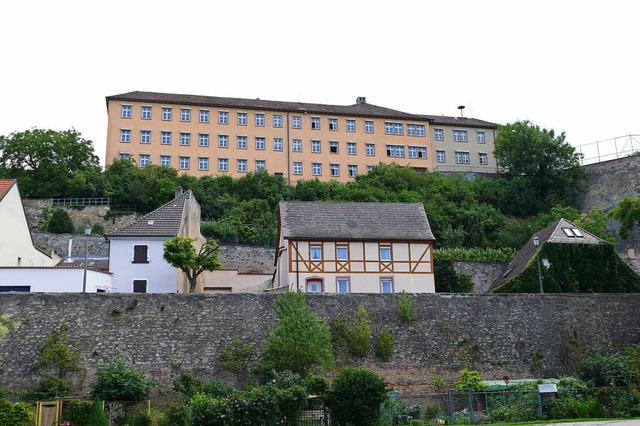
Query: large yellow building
(204, 135)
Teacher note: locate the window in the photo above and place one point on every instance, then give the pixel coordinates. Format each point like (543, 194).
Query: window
(368, 126)
(260, 120)
(333, 124)
(415, 130)
(242, 119)
(297, 145)
(126, 111)
(315, 252)
(370, 149)
(242, 142)
(351, 148)
(140, 254)
(297, 168)
(223, 117)
(440, 157)
(146, 113)
(166, 113)
(314, 286)
(184, 163)
(395, 151)
(185, 139)
(462, 157)
(351, 125)
(386, 285)
(260, 165)
(242, 166)
(204, 115)
(165, 160)
(223, 141)
(484, 160)
(316, 169)
(417, 152)
(144, 159)
(223, 164)
(139, 286)
(185, 114)
(277, 144)
(385, 253)
(260, 143)
(459, 135)
(277, 121)
(334, 170)
(145, 136)
(125, 135)
(315, 123)
(166, 138)
(125, 156)
(353, 170)
(342, 285)
(393, 128)
(480, 137)
(203, 139)
(296, 122)
(315, 146)
(439, 134)
(573, 233)
(333, 147)
(203, 163)
(369, 168)
(342, 253)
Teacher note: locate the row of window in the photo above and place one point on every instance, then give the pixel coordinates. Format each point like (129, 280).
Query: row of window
(342, 253)
(343, 285)
(459, 136)
(462, 157)
(390, 128)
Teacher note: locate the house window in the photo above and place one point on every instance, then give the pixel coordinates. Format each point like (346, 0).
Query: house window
(146, 113)
(370, 149)
(439, 134)
(334, 170)
(351, 148)
(144, 159)
(167, 113)
(369, 168)
(386, 285)
(441, 157)
(462, 157)
(315, 252)
(333, 124)
(368, 126)
(480, 137)
(342, 285)
(125, 135)
(484, 159)
(395, 151)
(316, 169)
(260, 165)
(314, 286)
(296, 122)
(125, 156)
(165, 138)
(297, 168)
(342, 253)
(385, 253)
(260, 143)
(223, 117)
(165, 160)
(259, 120)
(415, 129)
(184, 163)
(204, 115)
(139, 286)
(145, 136)
(126, 111)
(573, 233)
(203, 139)
(242, 166)
(459, 135)
(315, 146)
(315, 123)
(242, 142)
(333, 147)
(223, 141)
(277, 144)
(417, 152)
(185, 115)
(351, 125)
(185, 139)
(353, 170)
(223, 165)
(277, 121)
(297, 145)
(393, 129)
(203, 163)
(140, 254)
(242, 119)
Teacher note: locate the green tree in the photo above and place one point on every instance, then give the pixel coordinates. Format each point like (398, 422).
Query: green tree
(355, 397)
(627, 212)
(48, 163)
(60, 222)
(359, 334)
(470, 379)
(116, 381)
(299, 341)
(181, 253)
(447, 281)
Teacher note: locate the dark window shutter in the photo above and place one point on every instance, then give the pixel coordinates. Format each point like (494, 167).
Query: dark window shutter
(140, 286)
(140, 254)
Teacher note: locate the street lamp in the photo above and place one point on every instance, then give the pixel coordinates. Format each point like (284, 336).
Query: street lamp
(536, 242)
(87, 232)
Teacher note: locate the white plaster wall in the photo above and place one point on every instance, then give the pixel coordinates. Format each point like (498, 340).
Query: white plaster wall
(161, 277)
(55, 280)
(239, 283)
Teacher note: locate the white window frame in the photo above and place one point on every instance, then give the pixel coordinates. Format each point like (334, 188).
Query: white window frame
(145, 159)
(277, 120)
(441, 156)
(460, 136)
(203, 163)
(334, 170)
(185, 163)
(438, 134)
(185, 115)
(145, 112)
(368, 126)
(185, 139)
(388, 281)
(204, 116)
(353, 170)
(223, 117)
(167, 114)
(125, 135)
(333, 124)
(352, 148)
(343, 280)
(261, 165)
(166, 138)
(223, 164)
(385, 254)
(296, 145)
(297, 168)
(315, 123)
(242, 119)
(145, 136)
(334, 147)
(316, 169)
(260, 143)
(203, 139)
(165, 160)
(242, 165)
(296, 122)
(314, 144)
(483, 158)
(315, 252)
(480, 137)
(259, 120)
(223, 141)
(242, 145)
(350, 126)
(125, 111)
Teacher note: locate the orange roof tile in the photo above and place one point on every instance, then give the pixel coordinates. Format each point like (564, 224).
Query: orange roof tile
(5, 186)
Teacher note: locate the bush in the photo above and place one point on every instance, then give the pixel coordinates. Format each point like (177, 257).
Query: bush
(177, 415)
(236, 355)
(17, 414)
(79, 412)
(406, 310)
(141, 418)
(447, 281)
(355, 397)
(359, 335)
(604, 370)
(316, 384)
(60, 222)
(385, 345)
(97, 417)
(470, 379)
(118, 382)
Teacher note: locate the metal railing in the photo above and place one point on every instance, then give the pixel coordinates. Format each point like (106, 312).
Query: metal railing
(69, 202)
(609, 149)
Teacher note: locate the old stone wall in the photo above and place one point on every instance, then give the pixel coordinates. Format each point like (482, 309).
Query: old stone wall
(98, 246)
(610, 181)
(482, 273)
(248, 259)
(523, 335)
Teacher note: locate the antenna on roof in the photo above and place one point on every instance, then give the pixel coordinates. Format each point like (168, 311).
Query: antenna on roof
(461, 108)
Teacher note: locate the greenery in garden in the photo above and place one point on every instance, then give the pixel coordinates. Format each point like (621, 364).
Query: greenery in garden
(470, 379)
(15, 414)
(351, 337)
(406, 310)
(448, 281)
(627, 212)
(355, 397)
(116, 381)
(181, 253)
(236, 356)
(475, 254)
(60, 222)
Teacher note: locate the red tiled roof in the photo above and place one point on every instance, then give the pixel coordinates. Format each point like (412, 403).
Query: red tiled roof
(5, 186)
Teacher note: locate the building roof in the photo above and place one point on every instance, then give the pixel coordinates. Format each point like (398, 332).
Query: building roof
(165, 221)
(5, 186)
(354, 221)
(561, 231)
(57, 267)
(359, 109)
(459, 121)
(99, 264)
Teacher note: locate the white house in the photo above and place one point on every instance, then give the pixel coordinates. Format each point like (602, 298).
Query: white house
(354, 248)
(49, 279)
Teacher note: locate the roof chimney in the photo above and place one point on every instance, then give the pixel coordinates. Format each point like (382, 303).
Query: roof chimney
(178, 191)
(361, 100)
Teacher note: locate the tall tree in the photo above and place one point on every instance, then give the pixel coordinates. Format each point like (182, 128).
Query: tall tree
(181, 253)
(627, 212)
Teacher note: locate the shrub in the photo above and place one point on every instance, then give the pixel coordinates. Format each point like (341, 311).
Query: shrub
(355, 396)
(176, 415)
(236, 355)
(60, 222)
(78, 412)
(470, 379)
(17, 414)
(359, 335)
(316, 384)
(118, 382)
(604, 370)
(406, 310)
(140, 418)
(447, 281)
(385, 345)
(97, 417)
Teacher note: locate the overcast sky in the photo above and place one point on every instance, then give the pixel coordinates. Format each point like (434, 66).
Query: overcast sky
(567, 65)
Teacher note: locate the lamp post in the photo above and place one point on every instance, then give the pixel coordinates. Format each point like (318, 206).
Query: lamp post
(536, 242)
(87, 232)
